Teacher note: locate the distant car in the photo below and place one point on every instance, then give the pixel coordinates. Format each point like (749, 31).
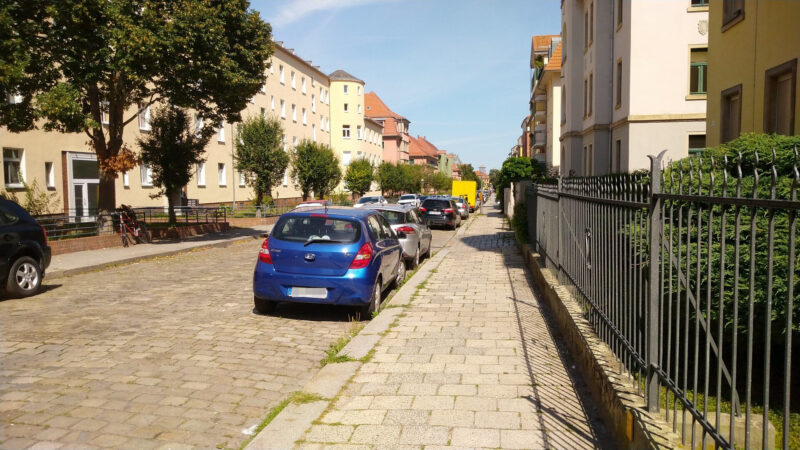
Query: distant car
(334, 256)
(463, 207)
(409, 199)
(414, 235)
(440, 211)
(314, 204)
(24, 252)
(373, 199)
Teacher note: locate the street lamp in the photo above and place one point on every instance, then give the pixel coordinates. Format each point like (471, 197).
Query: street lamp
(422, 185)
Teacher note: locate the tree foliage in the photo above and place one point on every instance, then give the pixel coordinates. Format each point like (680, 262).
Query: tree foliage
(260, 155)
(83, 59)
(411, 178)
(315, 168)
(359, 177)
(515, 168)
(172, 149)
(468, 173)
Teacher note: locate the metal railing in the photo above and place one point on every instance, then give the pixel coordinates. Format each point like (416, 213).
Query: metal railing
(688, 274)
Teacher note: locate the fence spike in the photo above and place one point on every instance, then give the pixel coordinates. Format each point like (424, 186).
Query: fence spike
(774, 171)
(739, 175)
(725, 175)
(796, 174)
(711, 177)
(755, 175)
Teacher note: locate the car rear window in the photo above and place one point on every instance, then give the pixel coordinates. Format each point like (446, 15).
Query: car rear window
(304, 228)
(437, 204)
(407, 197)
(394, 217)
(368, 200)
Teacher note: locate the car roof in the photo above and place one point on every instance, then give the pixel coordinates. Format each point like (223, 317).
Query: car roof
(398, 208)
(338, 211)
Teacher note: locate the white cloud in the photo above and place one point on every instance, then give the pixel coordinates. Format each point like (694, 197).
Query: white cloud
(297, 9)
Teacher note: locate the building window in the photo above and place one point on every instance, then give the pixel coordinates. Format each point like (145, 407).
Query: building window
(221, 130)
(241, 179)
(328, 124)
(305, 118)
(697, 143)
(12, 166)
(286, 177)
(346, 158)
(359, 108)
(591, 92)
(617, 165)
(699, 2)
(346, 107)
(263, 112)
(146, 173)
(586, 30)
(346, 131)
(732, 13)
(50, 175)
(312, 82)
(283, 141)
(619, 12)
(201, 174)
(585, 95)
(294, 81)
(294, 141)
(281, 74)
(731, 113)
(104, 113)
(698, 72)
(198, 125)
(619, 84)
(313, 103)
(345, 89)
(294, 113)
(303, 84)
(253, 99)
(272, 102)
(271, 68)
(264, 88)
(321, 123)
(591, 23)
(780, 96)
(321, 94)
(221, 175)
(126, 180)
(144, 117)
(283, 109)
(314, 133)
(327, 97)
(358, 132)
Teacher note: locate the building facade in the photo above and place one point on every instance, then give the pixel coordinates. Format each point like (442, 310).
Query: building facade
(354, 135)
(422, 152)
(545, 101)
(631, 86)
(395, 129)
(754, 49)
(64, 164)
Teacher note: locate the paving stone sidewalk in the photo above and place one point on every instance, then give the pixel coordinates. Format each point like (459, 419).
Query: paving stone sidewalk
(472, 362)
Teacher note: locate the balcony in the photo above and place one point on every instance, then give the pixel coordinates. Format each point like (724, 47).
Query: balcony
(540, 139)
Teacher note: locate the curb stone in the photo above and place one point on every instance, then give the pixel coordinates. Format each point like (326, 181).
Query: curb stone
(292, 423)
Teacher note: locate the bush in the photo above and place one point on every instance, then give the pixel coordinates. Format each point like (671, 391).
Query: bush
(520, 222)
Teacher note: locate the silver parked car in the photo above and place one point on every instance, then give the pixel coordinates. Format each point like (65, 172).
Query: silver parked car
(370, 200)
(415, 237)
(409, 199)
(463, 207)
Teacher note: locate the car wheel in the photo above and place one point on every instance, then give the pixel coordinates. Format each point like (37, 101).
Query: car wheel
(415, 260)
(265, 306)
(374, 304)
(24, 278)
(401, 273)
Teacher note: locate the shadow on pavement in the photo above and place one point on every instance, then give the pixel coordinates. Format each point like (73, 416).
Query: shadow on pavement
(315, 313)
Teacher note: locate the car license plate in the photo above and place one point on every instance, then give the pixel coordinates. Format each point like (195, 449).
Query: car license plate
(307, 292)
(434, 213)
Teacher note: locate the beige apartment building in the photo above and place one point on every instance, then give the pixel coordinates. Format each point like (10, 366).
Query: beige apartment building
(63, 163)
(634, 82)
(354, 135)
(545, 101)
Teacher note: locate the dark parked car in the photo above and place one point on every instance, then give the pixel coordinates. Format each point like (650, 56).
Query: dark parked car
(440, 211)
(24, 253)
(333, 256)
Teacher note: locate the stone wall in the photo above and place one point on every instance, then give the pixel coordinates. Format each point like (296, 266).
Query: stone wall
(85, 243)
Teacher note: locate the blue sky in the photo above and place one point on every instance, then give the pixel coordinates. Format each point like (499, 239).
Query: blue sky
(457, 69)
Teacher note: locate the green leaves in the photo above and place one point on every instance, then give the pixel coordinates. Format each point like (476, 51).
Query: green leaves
(62, 108)
(260, 156)
(315, 168)
(359, 177)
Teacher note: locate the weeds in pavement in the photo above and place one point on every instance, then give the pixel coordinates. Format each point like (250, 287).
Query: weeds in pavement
(302, 398)
(298, 397)
(332, 353)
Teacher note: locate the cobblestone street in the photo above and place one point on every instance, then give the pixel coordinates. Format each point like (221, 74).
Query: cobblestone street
(164, 353)
(472, 362)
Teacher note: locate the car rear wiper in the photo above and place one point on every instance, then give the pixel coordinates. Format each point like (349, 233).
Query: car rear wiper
(320, 240)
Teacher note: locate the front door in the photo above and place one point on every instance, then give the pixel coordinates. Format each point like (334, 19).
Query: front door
(84, 177)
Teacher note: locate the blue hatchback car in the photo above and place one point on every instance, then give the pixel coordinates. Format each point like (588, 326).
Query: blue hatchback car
(338, 256)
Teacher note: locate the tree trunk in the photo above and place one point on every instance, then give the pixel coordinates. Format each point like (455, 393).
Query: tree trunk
(106, 193)
(259, 197)
(171, 208)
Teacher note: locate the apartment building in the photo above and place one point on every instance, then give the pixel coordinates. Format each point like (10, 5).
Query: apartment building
(633, 82)
(354, 135)
(395, 129)
(63, 163)
(754, 49)
(422, 152)
(545, 100)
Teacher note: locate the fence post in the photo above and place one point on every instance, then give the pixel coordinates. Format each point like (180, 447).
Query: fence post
(653, 310)
(558, 229)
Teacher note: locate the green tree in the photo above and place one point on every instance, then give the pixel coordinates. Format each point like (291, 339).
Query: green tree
(359, 177)
(440, 182)
(494, 177)
(260, 155)
(390, 178)
(514, 169)
(172, 149)
(315, 168)
(468, 173)
(96, 59)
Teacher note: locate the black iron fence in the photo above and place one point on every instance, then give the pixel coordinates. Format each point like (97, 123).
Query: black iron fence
(688, 273)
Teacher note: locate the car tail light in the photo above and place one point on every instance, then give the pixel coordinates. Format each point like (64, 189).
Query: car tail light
(363, 257)
(421, 209)
(263, 254)
(448, 210)
(406, 230)
(45, 236)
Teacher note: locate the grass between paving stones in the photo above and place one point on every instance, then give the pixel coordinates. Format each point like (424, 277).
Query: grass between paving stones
(298, 397)
(332, 353)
